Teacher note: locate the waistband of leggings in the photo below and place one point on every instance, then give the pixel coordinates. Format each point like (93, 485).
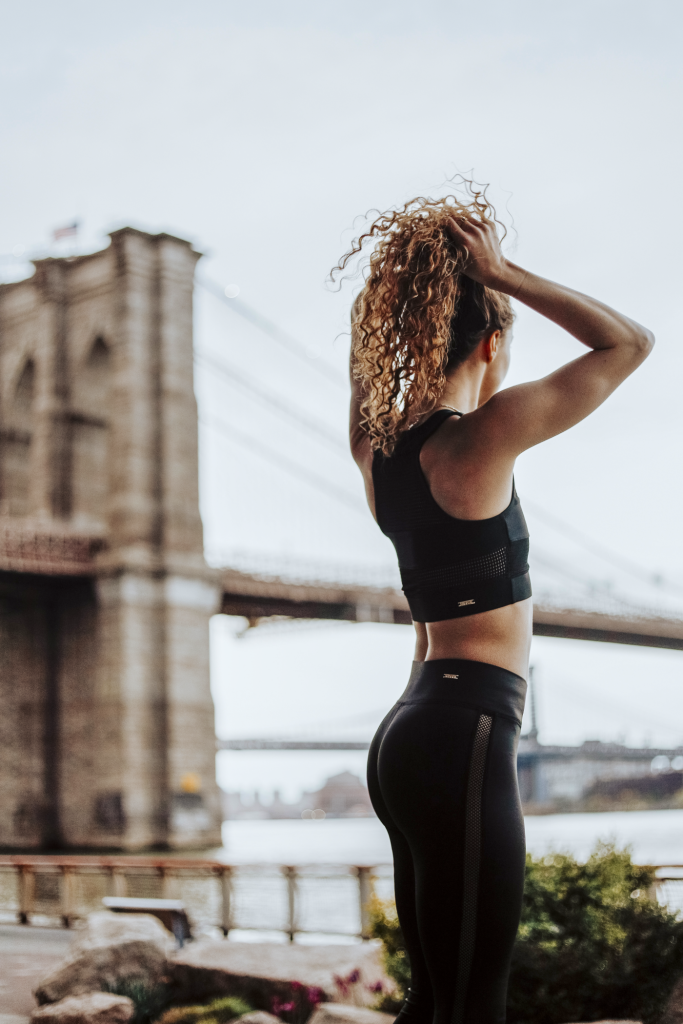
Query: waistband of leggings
(474, 683)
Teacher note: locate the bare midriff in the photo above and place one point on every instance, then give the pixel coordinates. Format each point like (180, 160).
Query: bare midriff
(500, 637)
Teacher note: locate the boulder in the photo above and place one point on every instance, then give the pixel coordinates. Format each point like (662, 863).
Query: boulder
(338, 1013)
(257, 1017)
(111, 947)
(93, 1008)
(270, 975)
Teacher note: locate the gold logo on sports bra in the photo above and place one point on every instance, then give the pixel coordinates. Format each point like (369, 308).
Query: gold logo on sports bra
(449, 675)
(461, 604)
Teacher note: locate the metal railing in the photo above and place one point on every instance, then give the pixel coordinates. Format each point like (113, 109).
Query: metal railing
(323, 899)
(668, 887)
(312, 899)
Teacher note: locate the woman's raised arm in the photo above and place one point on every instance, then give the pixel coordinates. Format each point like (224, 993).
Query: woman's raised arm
(526, 414)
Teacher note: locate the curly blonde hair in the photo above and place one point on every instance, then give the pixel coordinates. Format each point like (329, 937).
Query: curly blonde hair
(418, 314)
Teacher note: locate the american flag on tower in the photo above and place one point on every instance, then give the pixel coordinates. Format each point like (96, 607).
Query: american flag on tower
(68, 231)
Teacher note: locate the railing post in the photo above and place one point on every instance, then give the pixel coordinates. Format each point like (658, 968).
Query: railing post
(291, 878)
(226, 900)
(365, 893)
(169, 883)
(68, 895)
(27, 892)
(653, 890)
(119, 884)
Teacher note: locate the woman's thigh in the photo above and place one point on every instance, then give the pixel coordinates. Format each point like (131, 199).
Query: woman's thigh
(424, 772)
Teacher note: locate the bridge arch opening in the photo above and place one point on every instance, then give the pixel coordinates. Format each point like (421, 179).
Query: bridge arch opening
(18, 435)
(90, 434)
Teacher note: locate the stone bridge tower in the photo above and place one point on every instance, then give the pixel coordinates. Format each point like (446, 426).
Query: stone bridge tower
(106, 724)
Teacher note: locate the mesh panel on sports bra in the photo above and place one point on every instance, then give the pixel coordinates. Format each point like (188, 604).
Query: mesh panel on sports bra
(471, 570)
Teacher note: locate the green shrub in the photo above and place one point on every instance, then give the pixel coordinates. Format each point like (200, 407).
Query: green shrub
(219, 1011)
(385, 927)
(591, 943)
(149, 1000)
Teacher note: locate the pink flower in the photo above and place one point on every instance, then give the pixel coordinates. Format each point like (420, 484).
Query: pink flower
(279, 1007)
(342, 984)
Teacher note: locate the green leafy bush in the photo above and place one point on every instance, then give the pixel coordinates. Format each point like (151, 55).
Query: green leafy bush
(385, 927)
(149, 1000)
(219, 1011)
(591, 943)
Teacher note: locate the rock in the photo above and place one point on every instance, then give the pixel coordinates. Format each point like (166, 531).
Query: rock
(110, 948)
(93, 1008)
(338, 1013)
(257, 1017)
(270, 975)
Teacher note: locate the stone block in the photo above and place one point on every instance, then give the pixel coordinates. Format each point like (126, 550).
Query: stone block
(339, 1013)
(93, 1008)
(255, 1017)
(110, 948)
(268, 974)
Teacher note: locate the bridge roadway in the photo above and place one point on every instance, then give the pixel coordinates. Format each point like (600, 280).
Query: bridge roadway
(260, 597)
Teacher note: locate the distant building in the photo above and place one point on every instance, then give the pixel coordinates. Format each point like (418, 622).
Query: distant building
(555, 778)
(342, 796)
(663, 789)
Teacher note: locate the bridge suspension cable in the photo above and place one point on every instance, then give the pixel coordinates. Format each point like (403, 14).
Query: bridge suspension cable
(273, 402)
(596, 548)
(276, 333)
(282, 462)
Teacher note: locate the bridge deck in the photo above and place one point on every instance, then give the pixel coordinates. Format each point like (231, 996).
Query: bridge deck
(260, 597)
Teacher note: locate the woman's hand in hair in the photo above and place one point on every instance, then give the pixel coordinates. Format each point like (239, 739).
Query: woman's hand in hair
(485, 262)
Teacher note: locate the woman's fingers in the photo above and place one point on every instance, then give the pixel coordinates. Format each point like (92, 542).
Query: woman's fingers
(460, 226)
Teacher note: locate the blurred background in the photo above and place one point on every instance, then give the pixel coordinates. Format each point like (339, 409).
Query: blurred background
(264, 133)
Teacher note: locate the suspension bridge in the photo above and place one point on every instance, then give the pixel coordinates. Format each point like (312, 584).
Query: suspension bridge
(105, 594)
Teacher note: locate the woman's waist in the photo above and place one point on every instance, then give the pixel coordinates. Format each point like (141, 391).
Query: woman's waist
(461, 681)
(501, 636)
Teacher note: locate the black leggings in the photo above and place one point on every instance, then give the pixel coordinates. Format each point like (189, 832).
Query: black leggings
(442, 775)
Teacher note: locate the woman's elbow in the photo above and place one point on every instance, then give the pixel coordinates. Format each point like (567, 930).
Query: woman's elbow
(641, 341)
(646, 342)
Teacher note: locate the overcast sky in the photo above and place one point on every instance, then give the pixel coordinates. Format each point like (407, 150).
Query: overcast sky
(262, 131)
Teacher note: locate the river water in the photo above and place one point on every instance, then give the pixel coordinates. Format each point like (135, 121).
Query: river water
(655, 837)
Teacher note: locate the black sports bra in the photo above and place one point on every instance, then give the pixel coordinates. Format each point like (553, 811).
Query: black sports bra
(449, 567)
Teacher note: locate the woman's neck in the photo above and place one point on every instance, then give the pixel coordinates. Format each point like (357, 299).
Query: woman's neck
(462, 390)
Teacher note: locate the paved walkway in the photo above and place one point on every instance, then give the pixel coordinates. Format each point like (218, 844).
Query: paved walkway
(27, 954)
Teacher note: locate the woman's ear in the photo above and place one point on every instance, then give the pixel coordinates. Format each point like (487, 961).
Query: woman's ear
(491, 346)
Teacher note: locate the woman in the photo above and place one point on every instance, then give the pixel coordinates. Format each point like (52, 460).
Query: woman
(436, 440)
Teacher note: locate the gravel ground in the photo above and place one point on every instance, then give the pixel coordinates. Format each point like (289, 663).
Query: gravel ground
(27, 953)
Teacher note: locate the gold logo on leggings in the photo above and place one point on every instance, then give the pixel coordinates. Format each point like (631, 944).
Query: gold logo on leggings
(461, 604)
(449, 675)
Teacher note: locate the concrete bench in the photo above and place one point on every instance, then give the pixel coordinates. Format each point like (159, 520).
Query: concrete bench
(171, 913)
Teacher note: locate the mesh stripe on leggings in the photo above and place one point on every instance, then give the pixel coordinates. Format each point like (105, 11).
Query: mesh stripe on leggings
(471, 863)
